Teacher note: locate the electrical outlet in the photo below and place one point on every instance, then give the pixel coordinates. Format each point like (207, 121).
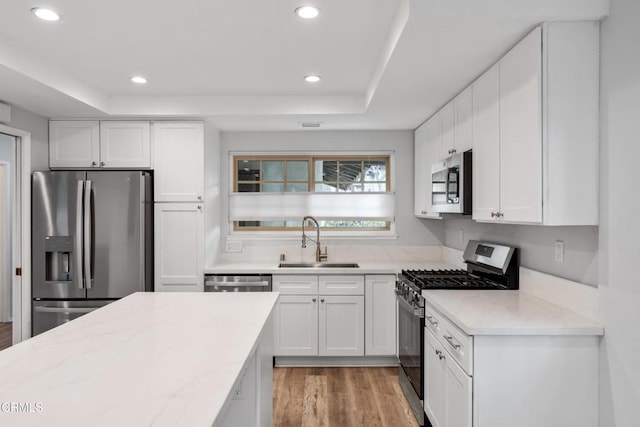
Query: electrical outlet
(233, 246)
(559, 246)
(237, 392)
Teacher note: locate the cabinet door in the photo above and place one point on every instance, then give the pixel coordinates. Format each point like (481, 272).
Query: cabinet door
(427, 146)
(447, 142)
(125, 145)
(341, 285)
(296, 325)
(421, 171)
(178, 161)
(458, 395)
(179, 247)
(341, 325)
(486, 145)
(74, 144)
(296, 284)
(463, 104)
(520, 131)
(434, 381)
(380, 315)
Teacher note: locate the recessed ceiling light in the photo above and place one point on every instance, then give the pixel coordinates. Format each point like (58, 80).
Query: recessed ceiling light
(45, 14)
(307, 12)
(138, 79)
(312, 78)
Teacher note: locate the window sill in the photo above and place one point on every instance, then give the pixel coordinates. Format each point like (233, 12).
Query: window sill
(324, 236)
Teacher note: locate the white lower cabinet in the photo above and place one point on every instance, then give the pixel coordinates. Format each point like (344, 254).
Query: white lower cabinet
(380, 315)
(508, 380)
(314, 317)
(341, 325)
(296, 325)
(179, 247)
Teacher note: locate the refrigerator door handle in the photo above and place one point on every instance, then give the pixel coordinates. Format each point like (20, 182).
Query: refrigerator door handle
(65, 309)
(88, 215)
(78, 237)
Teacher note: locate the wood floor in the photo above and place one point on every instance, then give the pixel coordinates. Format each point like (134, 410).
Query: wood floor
(5, 335)
(339, 397)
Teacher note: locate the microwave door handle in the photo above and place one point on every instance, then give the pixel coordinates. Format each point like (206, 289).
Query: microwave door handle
(78, 277)
(88, 241)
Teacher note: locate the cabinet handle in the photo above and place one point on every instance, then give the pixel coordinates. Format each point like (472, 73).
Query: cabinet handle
(313, 299)
(199, 207)
(103, 164)
(424, 212)
(453, 151)
(199, 197)
(493, 214)
(439, 354)
(94, 164)
(433, 322)
(450, 340)
(321, 299)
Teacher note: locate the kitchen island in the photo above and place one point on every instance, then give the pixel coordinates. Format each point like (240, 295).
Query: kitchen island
(191, 359)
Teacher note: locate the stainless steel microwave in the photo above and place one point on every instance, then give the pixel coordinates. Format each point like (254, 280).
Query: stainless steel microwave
(451, 184)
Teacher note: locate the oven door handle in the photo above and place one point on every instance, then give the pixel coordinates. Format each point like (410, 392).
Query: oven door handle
(417, 311)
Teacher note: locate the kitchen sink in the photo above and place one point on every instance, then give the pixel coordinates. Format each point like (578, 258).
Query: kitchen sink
(318, 265)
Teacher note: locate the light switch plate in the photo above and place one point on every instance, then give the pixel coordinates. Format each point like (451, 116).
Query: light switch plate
(559, 247)
(233, 246)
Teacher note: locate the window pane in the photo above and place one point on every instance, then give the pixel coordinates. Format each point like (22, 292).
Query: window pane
(248, 170)
(375, 187)
(326, 170)
(249, 188)
(375, 170)
(273, 170)
(278, 224)
(327, 187)
(297, 188)
(297, 170)
(350, 173)
(273, 188)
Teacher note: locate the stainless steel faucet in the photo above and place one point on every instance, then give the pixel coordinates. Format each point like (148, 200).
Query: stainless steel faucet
(319, 255)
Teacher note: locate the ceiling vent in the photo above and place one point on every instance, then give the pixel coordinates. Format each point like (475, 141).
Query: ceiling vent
(310, 124)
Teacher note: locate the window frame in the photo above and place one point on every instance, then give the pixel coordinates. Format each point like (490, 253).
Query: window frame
(311, 158)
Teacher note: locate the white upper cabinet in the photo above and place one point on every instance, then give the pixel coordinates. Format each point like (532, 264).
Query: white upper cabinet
(447, 123)
(463, 110)
(74, 144)
(179, 161)
(456, 120)
(520, 131)
(535, 149)
(486, 145)
(104, 144)
(427, 152)
(125, 144)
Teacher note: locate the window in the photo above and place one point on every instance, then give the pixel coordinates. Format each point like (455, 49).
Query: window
(341, 192)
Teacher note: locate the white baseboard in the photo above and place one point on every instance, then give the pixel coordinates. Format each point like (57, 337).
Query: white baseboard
(321, 361)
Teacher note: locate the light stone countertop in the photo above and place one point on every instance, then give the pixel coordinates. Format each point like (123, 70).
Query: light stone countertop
(161, 359)
(365, 267)
(496, 312)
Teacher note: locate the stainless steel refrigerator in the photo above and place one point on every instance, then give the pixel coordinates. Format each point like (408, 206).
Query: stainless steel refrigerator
(91, 241)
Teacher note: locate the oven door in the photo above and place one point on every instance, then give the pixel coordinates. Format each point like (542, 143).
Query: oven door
(410, 345)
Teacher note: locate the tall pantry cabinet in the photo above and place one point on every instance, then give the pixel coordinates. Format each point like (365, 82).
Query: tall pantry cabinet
(179, 206)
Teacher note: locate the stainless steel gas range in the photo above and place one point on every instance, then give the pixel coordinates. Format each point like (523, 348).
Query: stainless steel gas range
(489, 266)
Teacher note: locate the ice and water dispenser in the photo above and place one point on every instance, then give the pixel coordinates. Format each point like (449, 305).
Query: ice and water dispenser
(58, 255)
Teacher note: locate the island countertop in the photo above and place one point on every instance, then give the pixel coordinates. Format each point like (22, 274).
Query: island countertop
(147, 359)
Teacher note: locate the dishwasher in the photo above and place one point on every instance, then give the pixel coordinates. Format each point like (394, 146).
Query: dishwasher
(237, 283)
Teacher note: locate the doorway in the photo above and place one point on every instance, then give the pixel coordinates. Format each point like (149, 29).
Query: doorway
(15, 235)
(7, 201)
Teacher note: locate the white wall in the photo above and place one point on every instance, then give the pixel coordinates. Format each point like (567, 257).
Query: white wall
(39, 128)
(411, 231)
(619, 285)
(212, 192)
(536, 244)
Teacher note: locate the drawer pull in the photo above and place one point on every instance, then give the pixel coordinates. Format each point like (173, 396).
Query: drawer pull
(452, 342)
(439, 354)
(433, 322)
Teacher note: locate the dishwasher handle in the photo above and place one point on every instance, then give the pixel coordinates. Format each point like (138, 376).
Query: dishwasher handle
(220, 283)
